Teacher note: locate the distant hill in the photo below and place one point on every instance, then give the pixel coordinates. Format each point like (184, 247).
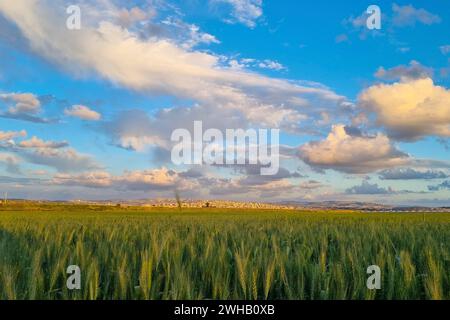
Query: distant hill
(363, 206)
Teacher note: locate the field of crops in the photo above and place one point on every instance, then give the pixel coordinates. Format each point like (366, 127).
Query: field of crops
(221, 254)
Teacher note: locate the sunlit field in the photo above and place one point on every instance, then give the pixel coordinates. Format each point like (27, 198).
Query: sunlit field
(136, 253)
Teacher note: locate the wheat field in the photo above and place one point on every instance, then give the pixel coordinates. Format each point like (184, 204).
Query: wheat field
(136, 253)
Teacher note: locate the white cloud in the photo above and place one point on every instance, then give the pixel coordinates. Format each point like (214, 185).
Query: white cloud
(246, 12)
(22, 103)
(23, 106)
(82, 112)
(8, 135)
(272, 65)
(189, 35)
(141, 143)
(160, 65)
(149, 179)
(241, 64)
(410, 110)
(352, 153)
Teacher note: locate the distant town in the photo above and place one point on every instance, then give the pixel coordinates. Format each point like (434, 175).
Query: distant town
(228, 204)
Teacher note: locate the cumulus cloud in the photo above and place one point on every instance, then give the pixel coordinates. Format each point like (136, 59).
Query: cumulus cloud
(23, 106)
(82, 112)
(408, 15)
(368, 188)
(22, 103)
(410, 110)
(411, 72)
(411, 174)
(350, 151)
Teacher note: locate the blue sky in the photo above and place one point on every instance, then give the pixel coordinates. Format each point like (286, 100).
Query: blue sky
(364, 114)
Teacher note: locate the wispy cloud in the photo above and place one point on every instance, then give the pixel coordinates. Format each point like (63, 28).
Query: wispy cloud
(82, 112)
(408, 15)
(246, 12)
(411, 174)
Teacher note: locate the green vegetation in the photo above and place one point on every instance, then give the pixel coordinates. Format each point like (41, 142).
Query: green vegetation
(136, 253)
